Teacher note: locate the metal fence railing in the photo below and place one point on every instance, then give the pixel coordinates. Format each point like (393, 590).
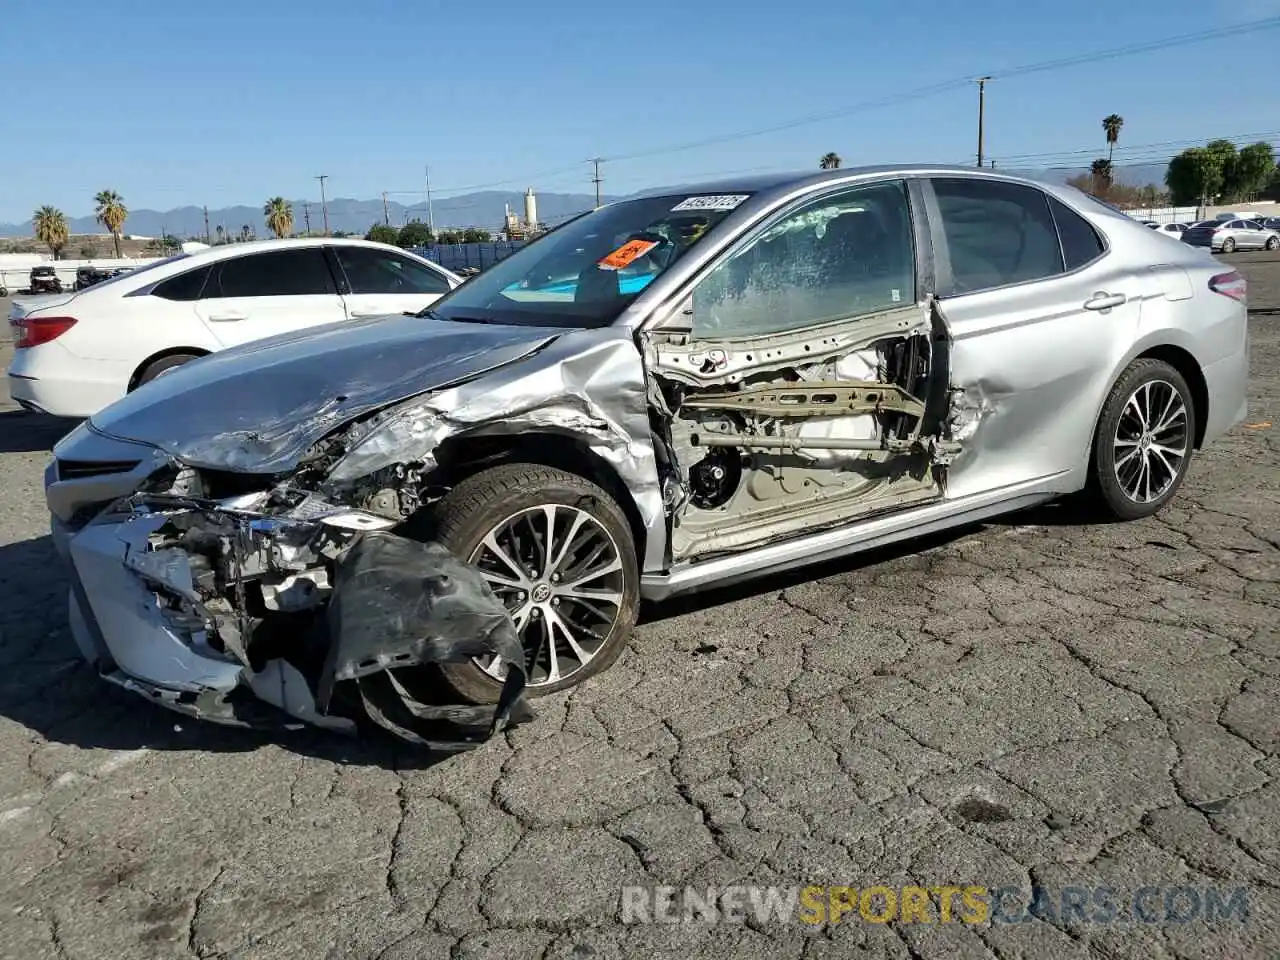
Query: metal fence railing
(465, 256)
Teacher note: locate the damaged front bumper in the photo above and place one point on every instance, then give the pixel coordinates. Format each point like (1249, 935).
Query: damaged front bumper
(250, 613)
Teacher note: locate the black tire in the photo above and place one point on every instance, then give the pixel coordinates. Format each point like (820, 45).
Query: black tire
(158, 367)
(1273, 242)
(4, 291)
(482, 503)
(1105, 480)
(1228, 245)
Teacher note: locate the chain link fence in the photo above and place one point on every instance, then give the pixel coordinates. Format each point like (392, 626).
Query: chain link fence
(460, 257)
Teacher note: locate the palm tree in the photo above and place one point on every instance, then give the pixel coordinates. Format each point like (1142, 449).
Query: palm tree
(51, 229)
(111, 213)
(1112, 124)
(279, 214)
(829, 161)
(221, 234)
(246, 232)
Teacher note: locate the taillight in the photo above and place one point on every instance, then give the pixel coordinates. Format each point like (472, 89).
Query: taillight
(1231, 284)
(33, 331)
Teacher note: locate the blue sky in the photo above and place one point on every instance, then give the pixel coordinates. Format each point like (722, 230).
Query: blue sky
(235, 101)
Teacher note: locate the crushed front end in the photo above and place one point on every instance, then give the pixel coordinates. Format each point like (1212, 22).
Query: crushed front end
(277, 608)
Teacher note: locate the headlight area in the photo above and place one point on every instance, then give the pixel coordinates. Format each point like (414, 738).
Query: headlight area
(329, 615)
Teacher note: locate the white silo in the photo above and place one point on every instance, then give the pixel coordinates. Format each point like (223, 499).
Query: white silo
(531, 209)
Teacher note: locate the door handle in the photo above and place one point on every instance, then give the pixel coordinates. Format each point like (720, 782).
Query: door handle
(1105, 301)
(224, 316)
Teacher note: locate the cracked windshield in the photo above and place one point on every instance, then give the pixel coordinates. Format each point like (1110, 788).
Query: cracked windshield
(589, 270)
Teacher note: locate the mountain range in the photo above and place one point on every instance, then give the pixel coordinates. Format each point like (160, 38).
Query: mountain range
(483, 209)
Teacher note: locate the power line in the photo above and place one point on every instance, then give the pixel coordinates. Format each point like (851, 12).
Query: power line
(960, 82)
(918, 93)
(1187, 142)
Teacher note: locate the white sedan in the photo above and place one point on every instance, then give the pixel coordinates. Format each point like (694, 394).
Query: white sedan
(75, 353)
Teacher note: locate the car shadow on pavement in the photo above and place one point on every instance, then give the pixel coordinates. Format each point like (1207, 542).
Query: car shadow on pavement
(773, 583)
(48, 688)
(25, 432)
(1069, 511)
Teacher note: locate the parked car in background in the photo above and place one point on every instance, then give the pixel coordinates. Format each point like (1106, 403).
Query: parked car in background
(1272, 223)
(75, 355)
(672, 392)
(1227, 236)
(44, 279)
(1175, 230)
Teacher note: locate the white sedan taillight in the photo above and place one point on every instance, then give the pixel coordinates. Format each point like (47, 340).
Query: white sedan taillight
(33, 331)
(1231, 284)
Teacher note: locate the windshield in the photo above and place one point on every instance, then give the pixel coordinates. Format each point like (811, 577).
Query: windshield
(587, 271)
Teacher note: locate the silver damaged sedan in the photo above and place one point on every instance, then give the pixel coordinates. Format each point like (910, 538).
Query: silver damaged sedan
(425, 521)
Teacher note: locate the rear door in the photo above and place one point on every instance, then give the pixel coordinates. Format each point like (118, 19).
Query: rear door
(378, 282)
(1039, 315)
(262, 294)
(1251, 236)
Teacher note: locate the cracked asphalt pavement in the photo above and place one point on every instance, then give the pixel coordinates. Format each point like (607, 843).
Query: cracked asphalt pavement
(1035, 702)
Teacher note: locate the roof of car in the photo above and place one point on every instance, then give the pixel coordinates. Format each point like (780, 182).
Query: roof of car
(227, 250)
(284, 243)
(778, 183)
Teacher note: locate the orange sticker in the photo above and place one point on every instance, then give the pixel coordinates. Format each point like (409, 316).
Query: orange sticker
(626, 254)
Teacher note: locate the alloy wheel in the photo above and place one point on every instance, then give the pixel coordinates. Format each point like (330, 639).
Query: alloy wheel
(1151, 441)
(559, 573)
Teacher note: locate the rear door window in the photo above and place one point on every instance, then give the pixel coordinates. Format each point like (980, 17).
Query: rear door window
(997, 233)
(276, 273)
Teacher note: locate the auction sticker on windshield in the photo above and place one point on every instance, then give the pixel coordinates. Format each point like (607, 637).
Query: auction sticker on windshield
(626, 254)
(725, 201)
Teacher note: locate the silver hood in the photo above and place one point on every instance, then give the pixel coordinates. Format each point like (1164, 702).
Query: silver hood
(258, 407)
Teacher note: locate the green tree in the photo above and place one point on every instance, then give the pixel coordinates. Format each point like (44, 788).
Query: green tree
(475, 235)
(415, 233)
(87, 251)
(1103, 176)
(450, 236)
(279, 216)
(829, 161)
(50, 225)
(111, 212)
(1111, 125)
(1250, 171)
(383, 233)
(1195, 176)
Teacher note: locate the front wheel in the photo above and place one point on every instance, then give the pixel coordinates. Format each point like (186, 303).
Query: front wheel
(558, 552)
(1228, 245)
(1143, 444)
(1273, 243)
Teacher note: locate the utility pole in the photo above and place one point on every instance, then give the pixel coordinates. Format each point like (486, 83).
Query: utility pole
(306, 216)
(386, 215)
(206, 225)
(596, 179)
(982, 103)
(431, 220)
(324, 205)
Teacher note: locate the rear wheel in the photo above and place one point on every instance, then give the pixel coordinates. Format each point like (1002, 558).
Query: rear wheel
(158, 368)
(559, 553)
(1143, 444)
